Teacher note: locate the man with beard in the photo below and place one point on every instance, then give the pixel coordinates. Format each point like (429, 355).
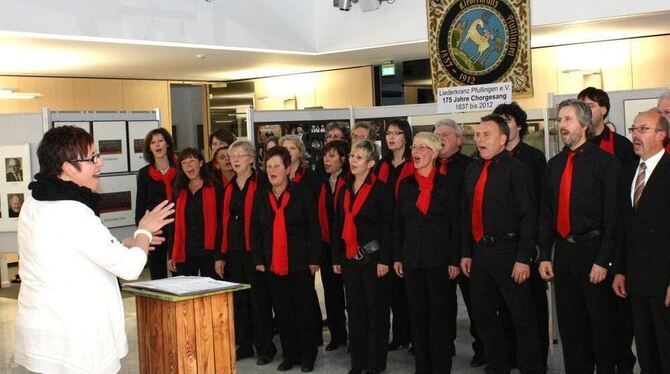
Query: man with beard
(578, 214)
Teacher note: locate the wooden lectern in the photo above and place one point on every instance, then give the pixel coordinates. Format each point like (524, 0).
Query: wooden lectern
(186, 334)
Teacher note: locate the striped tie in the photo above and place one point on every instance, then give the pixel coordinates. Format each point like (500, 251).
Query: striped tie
(639, 184)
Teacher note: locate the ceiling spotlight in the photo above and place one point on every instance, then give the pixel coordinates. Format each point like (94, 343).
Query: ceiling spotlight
(344, 4)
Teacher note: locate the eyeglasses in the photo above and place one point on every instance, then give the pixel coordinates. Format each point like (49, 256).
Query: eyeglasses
(421, 147)
(237, 157)
(94, 159)
(642, 129)
(394, 133)
(443, 134)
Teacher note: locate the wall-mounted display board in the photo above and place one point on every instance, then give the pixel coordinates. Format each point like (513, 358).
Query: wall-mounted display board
(82, 125)
(111, 140)
(117, 200)
(15, 174)
(137, 131)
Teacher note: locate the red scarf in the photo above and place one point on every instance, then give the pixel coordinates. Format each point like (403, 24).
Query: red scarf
(323, 211)
(607, 145)
(384, 172)
(209, 216)
(425, 190)
(349, 231)
(166, 178)
(248, 205)
(299, 174)
(443, 165)
(279, 264)
(224, 182)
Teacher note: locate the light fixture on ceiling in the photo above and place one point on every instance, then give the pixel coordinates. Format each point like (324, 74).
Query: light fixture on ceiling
(10, 94)
(366, 5)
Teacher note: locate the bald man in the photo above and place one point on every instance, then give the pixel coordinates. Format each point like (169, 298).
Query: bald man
(643, 252)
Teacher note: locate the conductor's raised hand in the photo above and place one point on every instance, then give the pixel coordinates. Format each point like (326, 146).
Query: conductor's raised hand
(158, 217)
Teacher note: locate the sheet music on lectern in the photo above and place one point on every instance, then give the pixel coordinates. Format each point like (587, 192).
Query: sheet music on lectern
(183, 285)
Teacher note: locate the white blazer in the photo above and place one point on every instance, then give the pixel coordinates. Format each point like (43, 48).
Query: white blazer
(70, 313)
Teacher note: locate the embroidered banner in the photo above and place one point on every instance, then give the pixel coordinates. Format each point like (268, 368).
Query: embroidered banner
(479, 42)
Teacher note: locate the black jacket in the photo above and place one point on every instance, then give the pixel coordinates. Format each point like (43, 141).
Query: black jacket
(149, 193)
(593, 199)
(304, 242)
(535, 160)
(431, 240)
(643, 250)
(373, 222)
(509, 204)
(236, 234)
(623, 148)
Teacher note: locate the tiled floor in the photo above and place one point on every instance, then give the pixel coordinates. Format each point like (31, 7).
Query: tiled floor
(327, 362)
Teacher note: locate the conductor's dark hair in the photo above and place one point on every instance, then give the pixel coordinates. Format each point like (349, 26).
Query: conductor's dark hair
(60, 145)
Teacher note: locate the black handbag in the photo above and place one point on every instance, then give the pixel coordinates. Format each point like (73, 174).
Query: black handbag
(363, 253)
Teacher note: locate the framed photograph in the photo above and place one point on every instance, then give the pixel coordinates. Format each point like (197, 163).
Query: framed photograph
(111, 141)
(15, 175)
(137, 131)
(117, 200)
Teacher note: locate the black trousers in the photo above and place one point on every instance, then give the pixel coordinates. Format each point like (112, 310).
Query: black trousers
(538, 293)
(239, 269)
(585, 311)
(651, 322)
(491, 287)
(368, 298)
(464, 283)
(261, 308)
(293, 298)
(427, 296)
(333, 292)
(198, 265)
(626, 358)
(400, 324)
(157, 261)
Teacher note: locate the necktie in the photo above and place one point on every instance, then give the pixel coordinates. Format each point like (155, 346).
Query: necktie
(639, 183)
(478, 202)
(563, 220)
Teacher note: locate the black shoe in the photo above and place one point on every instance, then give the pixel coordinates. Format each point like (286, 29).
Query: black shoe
(242, 353)
(286, 365)
(372, 371)
(477, 360)
(394, 345)
(307, 368)
(263, 360)
(334, 345)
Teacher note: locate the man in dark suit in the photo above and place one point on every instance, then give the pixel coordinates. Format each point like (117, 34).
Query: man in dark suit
(14, 171)
(642, 262)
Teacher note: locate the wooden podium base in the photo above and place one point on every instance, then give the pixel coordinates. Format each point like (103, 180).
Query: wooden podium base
(196, 335)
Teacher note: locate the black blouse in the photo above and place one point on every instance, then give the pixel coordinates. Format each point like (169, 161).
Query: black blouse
(431, 240)
(373, 222)
(302, 228)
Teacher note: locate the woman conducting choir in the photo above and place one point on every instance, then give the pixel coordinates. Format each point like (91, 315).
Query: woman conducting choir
(70, 314)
